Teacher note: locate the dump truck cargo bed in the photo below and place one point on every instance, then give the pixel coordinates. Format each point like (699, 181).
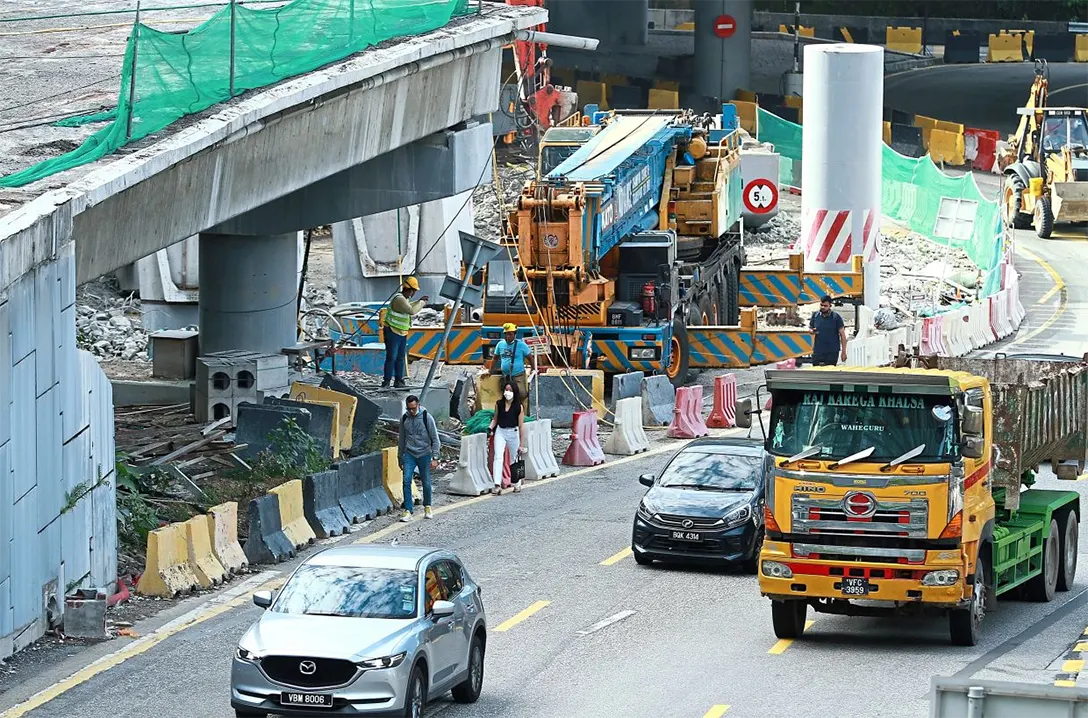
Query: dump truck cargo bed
(1040, 414)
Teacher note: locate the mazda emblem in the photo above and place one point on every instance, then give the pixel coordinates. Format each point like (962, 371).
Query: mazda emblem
(307, 668)
(687, 523)
(859, 505)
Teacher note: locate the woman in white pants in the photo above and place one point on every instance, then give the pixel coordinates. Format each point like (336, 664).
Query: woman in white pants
(508, 430)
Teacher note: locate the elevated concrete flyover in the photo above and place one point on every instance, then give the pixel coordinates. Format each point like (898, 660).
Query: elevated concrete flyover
(390, 125)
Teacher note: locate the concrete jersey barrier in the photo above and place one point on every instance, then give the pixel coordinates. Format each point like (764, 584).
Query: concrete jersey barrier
(321, 506)
(292, 518)
(266, 543)
(658, 400)
(206, 567)
(223, 525)
(167, 572)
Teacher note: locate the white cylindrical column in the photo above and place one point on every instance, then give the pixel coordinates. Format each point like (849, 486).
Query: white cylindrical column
(842, 138)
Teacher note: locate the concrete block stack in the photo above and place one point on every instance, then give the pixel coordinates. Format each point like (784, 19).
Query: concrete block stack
(226, 379)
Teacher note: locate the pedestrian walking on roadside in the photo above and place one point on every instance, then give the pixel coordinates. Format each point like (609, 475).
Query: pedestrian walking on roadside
(395, 327)
(419, 447)
(507, 431)
(829, 335)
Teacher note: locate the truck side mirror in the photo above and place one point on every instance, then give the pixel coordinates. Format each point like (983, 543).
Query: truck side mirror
(972, 421)
(743, 413)
(973, 447)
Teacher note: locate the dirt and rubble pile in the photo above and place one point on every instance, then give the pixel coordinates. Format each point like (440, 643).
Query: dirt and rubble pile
(108, 322)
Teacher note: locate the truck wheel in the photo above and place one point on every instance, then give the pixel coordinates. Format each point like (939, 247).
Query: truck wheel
(965, 624)
(1044, 218)
(677, 369)
(1069, 551)
(788, 618)
(1041, 588)
(732, 294)
(1013, 200)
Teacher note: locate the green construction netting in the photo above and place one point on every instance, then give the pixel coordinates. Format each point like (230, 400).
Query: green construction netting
(182, 74)
(912, 193)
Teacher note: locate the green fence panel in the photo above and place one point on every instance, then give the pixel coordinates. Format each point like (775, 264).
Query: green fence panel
(182, 74)
(911, 193)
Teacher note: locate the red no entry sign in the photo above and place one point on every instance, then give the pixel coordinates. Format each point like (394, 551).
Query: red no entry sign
(760, 196)
(725, 26)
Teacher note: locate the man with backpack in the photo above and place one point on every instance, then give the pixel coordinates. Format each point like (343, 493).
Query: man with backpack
(419, 447)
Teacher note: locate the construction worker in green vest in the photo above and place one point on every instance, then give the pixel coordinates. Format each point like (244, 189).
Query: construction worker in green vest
(396, 324)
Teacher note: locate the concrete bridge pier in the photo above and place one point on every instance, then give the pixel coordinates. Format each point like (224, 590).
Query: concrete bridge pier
(248, 293)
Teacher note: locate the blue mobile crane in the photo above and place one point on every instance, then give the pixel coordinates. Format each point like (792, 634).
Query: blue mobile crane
(630, 233)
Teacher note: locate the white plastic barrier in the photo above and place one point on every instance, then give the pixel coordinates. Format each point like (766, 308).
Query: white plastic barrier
(473, 475)
(627, 436)
(540, 460)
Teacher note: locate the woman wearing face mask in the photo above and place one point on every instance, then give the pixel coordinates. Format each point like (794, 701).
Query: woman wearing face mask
(508, 430)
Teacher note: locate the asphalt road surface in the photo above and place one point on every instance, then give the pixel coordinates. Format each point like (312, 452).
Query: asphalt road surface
(682, 642)
(985, 95)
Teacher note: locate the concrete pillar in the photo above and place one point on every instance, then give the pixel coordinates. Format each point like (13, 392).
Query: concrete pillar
(370, 260)
(248, 293)
(722, 65)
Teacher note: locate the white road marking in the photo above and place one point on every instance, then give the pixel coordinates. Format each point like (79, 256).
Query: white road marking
(605, 623)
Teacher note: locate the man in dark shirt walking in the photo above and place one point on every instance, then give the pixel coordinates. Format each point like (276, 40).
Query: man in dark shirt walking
(829, 330)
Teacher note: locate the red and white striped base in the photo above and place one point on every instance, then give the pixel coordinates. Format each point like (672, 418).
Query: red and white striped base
(828, 237)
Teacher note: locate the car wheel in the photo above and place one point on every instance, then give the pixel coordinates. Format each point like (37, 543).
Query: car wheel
(641, 559)
(752, 564)
(416, 698)
(468, 691)
(788, 618)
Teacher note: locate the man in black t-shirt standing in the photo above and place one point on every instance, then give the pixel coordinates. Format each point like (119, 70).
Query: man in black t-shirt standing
(829, 330)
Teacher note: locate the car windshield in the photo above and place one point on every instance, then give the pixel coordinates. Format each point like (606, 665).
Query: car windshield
(842, 424)
(713, 468)
(317, 590)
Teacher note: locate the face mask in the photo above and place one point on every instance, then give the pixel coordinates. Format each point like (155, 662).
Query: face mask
(508, 395)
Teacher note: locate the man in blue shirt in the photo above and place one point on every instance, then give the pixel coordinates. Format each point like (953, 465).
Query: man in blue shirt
(509, 360)
(829, 330)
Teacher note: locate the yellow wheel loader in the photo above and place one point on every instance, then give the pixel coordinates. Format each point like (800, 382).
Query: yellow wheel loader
(1046, 163)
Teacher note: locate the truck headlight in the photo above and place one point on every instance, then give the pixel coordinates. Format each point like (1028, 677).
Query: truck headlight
(643, 353)
(738, 516)
(947, 577)
(774, 569)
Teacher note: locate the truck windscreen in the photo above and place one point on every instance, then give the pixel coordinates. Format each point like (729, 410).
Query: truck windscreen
(844, 423)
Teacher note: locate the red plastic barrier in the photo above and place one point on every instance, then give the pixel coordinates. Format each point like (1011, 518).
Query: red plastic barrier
(724, 413)
(981, 147)
(930, 337)
(585, 448)
(687, 415)
(784, 365)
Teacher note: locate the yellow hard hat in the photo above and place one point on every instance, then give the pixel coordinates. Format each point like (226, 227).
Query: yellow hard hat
(509, 327)
(411, 283)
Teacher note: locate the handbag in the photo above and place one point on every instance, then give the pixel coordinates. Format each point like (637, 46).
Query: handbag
(517, 471)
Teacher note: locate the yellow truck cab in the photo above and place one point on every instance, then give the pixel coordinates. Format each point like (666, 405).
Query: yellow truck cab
(899, 490)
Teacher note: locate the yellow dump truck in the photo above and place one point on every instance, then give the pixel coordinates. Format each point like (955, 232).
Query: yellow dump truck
(901, 490)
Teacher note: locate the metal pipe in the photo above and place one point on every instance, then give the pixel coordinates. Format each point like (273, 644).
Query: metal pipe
(132, 78)
(572, 42)
(797, 37)
(975, 696)
(471, 269)
(233, 15)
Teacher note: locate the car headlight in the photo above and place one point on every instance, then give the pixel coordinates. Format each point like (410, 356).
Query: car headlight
(384, 662)
(738, 516)
(645, 511)
(247, 655)
(774, 569)
(947, 577)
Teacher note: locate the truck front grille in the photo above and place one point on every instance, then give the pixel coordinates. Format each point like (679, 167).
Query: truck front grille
(907, 519)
